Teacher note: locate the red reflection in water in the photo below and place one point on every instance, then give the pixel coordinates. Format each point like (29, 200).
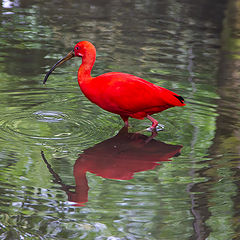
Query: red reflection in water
(116, 158)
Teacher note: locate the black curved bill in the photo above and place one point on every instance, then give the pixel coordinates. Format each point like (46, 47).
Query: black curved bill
(61, 61)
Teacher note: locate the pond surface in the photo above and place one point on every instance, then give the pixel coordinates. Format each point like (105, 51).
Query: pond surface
(68, 168)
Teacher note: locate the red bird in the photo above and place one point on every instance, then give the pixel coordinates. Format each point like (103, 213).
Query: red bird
(120, 93)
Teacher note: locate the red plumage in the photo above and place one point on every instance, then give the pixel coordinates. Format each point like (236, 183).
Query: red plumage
(128, 95)
(120, 93)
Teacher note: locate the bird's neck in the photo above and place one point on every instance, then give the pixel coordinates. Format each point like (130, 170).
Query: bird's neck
(84, 71)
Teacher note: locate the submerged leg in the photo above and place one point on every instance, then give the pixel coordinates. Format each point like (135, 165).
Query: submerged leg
(155, 124)
(154, 134)
(125, 119)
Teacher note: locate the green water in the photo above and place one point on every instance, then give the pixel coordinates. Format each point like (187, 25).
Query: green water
(67, 168)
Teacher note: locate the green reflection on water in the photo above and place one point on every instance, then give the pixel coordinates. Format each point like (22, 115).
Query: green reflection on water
(194, 196)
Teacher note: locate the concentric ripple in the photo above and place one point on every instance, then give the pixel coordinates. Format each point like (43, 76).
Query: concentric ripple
(50, 116)
(42, 126)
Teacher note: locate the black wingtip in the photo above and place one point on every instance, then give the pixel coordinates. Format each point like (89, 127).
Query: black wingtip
(181, 99)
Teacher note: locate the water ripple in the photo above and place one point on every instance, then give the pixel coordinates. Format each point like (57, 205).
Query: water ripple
(46, 125)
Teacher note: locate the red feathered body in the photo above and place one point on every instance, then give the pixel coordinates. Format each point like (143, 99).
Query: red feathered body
(128, 95)
(120, 93)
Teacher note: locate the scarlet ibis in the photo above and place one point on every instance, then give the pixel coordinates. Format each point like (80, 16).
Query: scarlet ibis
(119, 93)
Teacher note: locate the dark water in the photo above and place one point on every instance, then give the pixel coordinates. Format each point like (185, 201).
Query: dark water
(69, 170)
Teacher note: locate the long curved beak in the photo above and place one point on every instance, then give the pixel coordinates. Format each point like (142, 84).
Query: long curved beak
(61, 61)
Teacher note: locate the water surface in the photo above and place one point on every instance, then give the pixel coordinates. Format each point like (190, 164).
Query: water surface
(68, 168)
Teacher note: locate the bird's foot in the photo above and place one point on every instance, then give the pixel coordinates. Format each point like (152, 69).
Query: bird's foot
(158, 128)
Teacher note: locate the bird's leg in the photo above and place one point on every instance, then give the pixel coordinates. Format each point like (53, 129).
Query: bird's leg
(155, 124)
(125, 119)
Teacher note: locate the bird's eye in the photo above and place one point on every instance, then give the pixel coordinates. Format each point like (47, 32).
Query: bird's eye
(77, 48)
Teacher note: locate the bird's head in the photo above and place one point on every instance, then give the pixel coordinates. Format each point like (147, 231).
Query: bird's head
(82, 49)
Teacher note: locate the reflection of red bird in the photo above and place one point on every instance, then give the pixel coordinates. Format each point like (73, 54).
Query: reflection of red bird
(120, 93)
(118, 158)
